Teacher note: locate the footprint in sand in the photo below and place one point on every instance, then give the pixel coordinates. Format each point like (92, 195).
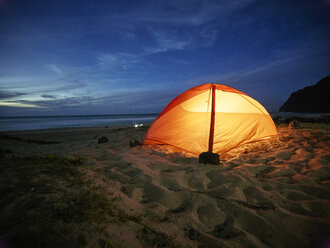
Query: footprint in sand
(256, 197)
(301, 154)
(299, 208)
(171, 184)
(154, 193)
(321, 175)
(266, 172)
(285, 155)
(203, 239)
(116, 176)
(255, 225)
(210, 215)
(294, 195)
(195, 181)
(316, 208)
(314, 191)
(217, 178)
(226, 230)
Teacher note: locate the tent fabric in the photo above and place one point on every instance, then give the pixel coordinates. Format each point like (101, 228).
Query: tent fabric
(187, 121)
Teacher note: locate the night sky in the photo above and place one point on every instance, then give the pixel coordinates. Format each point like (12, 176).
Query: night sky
(70, 57)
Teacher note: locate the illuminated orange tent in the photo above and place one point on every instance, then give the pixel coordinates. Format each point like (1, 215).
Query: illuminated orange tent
(211, 117)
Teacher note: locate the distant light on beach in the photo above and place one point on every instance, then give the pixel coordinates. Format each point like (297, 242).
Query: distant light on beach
(138, 125)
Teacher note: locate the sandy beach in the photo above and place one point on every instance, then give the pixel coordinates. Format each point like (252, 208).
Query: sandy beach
(60, 188)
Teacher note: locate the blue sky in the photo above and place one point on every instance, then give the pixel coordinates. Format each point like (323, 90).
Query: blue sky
(69, 57)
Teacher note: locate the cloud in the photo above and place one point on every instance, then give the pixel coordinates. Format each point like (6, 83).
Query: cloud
(175, 25)
(121, 61)
(55, 69)
(61, 63)
(170, 40)
(211, 10)
(8, 94)
(62, 103)
(289, 58)
(49, 96)
(126, 101)
(208, 37)
(31, 86)
(166, 41)
(194, 14)
(68, 85)
(137, 101)
(18, 104)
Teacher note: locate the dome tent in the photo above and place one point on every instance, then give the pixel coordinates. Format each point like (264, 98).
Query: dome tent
(211, 117)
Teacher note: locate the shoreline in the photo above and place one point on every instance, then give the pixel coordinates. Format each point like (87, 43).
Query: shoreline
(277, 118)
(51, 122)
(70, 129)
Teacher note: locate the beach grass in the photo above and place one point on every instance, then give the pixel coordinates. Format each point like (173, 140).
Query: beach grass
(44, 200)
(49, 201)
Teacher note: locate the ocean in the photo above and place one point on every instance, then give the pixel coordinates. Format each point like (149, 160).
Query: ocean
(47, 122)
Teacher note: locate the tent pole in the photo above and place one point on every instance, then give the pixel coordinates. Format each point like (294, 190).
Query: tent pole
(211, 137)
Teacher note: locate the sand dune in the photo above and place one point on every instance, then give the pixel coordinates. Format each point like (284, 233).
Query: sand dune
(270, 194)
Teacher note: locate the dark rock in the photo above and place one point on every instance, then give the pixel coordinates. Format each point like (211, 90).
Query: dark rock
(311, 99)
(209, 158)
(133, 143)
(292, 125)
(103, 139)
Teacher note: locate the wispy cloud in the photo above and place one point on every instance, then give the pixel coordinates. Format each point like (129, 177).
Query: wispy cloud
(49, 96)
(166, 41)
(127, 101)
(55, 69)
(18, 104)
(174, 25)
(9, 94)
(171, 40)
(199, 12)
(208, 37)
(121, 61)
(286, 58)
(259, 73)
(66, 102)
(109, 58)
(28, 87)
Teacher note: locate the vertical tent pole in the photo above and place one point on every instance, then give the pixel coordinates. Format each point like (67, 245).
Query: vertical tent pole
(212, 119)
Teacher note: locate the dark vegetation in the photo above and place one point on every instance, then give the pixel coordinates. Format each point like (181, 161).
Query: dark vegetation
(49, 202)
(320, 122)
(39, 142)
(44, 200)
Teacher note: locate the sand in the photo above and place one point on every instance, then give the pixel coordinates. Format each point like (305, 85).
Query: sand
(270, 194)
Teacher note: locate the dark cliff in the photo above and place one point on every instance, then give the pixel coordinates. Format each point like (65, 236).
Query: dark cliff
(311, 99)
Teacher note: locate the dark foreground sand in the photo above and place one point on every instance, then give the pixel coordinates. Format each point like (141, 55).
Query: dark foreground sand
(85, 194)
